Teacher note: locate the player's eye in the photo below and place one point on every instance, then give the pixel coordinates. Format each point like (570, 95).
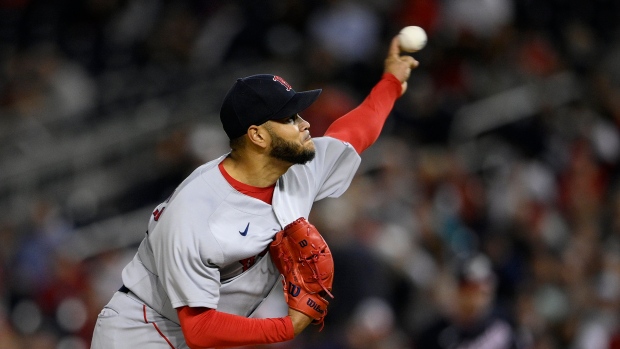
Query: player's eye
(289, 120)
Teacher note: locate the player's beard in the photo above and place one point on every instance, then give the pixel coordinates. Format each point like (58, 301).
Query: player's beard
(294, 153)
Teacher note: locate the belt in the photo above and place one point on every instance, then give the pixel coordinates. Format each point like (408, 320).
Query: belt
(124, 289)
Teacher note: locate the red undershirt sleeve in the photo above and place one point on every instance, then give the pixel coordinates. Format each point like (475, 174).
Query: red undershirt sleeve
(361, 126)
(209, 328)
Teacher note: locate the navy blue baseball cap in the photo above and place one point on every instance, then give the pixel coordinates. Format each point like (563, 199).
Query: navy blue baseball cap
(255, 99)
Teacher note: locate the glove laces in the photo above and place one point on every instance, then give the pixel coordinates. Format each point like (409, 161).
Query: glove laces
(316, 253)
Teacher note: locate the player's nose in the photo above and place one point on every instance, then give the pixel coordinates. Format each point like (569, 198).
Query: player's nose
(303, 125)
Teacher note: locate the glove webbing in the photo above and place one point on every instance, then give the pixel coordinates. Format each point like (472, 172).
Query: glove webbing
(313, 259)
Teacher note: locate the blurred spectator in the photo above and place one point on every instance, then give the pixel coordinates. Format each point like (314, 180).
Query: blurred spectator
(32, 270)
(372, 325)
(348, 31)
(472, 319)
(480, 18)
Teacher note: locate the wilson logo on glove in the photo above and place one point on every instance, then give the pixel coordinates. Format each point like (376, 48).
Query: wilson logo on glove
(293, 289)
(312, 304)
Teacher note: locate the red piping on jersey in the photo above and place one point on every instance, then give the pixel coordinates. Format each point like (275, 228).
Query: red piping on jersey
(156, 327)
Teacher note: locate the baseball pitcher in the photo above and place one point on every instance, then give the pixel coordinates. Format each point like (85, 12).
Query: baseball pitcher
(235, 231)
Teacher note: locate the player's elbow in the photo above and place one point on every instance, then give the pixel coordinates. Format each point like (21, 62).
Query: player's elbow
(189, 337)
(193, 321)
(193, 345)
(197, 342)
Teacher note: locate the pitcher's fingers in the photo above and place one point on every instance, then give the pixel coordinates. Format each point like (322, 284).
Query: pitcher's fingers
(413, 63)
(394, 47)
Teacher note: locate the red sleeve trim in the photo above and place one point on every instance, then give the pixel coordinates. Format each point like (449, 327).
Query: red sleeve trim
(208, 328)
(362, 126)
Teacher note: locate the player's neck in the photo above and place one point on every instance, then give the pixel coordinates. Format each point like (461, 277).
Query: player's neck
(254, 169)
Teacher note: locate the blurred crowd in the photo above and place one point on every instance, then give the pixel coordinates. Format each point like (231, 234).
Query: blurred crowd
(504, 149)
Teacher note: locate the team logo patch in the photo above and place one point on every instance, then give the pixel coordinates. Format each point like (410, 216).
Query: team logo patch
(282, 82)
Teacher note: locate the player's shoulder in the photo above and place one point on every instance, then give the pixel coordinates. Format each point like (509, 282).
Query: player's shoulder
(205, 183)
(329, 152)
(331, 149)
(330, 141)
(326, 147)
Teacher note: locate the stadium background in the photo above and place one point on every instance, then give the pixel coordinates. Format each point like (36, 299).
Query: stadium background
(506, 142)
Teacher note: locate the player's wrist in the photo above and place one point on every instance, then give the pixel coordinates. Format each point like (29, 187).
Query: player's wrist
(395, 84)
(299, 320)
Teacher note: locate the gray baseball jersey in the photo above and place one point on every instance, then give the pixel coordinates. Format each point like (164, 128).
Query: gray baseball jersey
(206, 245)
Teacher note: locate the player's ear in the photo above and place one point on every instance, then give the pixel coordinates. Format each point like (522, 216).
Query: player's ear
(258, 135)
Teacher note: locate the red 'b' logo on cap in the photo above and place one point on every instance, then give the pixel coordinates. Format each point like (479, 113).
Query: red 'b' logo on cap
(284, 83)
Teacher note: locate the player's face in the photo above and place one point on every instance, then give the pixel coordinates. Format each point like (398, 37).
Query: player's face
(291, 141)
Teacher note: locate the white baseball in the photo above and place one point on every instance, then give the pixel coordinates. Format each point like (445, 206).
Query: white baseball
(412, 38)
